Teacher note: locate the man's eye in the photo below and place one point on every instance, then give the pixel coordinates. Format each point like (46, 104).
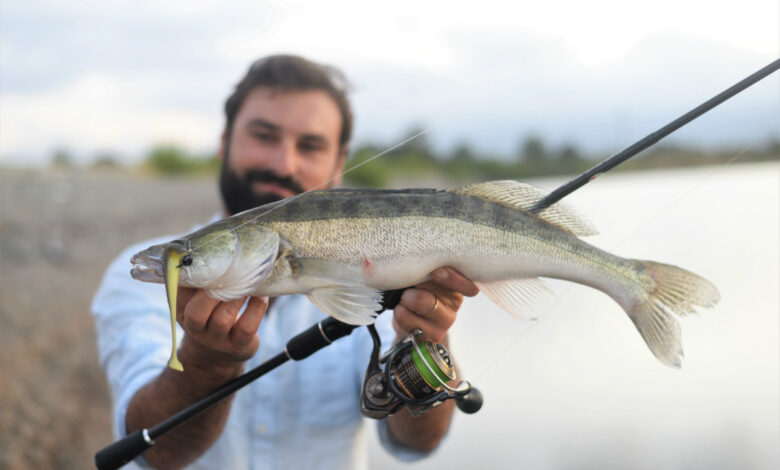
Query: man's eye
(263, 136)
(310, 147)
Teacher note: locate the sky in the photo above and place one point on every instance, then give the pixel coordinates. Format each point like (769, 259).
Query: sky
(116, 77)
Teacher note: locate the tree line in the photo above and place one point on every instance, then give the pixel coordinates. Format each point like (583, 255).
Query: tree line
(533, 157)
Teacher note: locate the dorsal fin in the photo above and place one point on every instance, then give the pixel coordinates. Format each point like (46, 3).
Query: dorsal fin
(523, 196)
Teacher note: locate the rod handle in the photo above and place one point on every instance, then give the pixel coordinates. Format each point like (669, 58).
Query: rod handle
(325, 332)
(123, 451)
(317, 337)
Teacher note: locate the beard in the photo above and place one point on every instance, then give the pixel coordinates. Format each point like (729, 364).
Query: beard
(237, 192)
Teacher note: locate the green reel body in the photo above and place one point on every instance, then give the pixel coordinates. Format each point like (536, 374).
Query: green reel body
(416, 375)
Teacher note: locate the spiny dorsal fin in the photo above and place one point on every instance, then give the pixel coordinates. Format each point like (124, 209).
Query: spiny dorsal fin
(523, 196)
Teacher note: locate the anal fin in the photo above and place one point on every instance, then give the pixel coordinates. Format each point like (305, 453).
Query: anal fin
(520, 297)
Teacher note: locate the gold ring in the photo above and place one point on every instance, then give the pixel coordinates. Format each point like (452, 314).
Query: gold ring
(435, 306)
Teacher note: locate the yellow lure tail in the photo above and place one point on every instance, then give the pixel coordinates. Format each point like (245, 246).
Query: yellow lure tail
(172, 263)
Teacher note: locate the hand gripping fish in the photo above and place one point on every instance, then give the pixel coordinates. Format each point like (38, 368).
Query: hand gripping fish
(342, 247)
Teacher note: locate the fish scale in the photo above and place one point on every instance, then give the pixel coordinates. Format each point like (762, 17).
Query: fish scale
(342, 247)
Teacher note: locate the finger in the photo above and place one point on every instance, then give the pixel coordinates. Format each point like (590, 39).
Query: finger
(223, 317)
(454, 280)
(197, 311)
(183, 297)
(420, 301)
(405, 322)
(245, 329)
(439, 305)
(447, 297)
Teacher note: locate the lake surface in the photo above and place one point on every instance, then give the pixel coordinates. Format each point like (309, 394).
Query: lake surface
(579, 389)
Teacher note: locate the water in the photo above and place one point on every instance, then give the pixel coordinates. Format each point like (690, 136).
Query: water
(579, 389)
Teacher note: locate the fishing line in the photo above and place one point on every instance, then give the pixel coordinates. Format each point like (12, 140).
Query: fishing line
(684, 195)
(507, 349)
(631, 151)
(319, 186)
(641, 227)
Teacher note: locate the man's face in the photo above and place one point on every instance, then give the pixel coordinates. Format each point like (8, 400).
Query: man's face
(282, 143)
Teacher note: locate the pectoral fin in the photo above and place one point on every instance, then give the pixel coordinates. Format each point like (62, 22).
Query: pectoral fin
(356, 304)
(342, 292)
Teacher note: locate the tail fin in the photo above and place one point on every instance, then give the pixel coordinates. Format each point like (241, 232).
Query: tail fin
(674, 291)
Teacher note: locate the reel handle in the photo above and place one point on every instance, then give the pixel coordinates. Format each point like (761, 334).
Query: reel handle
(471, 402)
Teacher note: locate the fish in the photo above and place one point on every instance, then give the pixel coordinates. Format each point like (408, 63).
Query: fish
(343, 247)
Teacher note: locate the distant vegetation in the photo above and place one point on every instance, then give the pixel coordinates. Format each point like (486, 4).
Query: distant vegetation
(417, 159)
(173, 160)
(61, 159)
(533, 158)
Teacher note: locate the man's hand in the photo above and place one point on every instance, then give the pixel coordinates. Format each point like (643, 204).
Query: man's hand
(217, 343)
(432, 307)
(214, 330)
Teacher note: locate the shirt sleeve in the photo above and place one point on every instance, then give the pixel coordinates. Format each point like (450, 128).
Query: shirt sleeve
(133, 334)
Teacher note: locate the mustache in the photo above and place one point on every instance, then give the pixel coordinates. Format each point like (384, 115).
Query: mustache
(267, 176)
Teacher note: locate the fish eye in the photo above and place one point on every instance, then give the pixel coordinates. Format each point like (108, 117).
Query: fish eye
(186, 260)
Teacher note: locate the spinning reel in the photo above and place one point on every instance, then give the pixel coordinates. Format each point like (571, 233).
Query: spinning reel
(414, 374)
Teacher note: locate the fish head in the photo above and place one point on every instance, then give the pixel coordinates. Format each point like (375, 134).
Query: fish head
(227, 260)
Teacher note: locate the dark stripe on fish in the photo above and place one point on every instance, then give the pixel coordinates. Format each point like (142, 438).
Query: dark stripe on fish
(382, 204)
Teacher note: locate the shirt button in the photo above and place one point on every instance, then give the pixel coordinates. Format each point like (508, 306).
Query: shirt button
(262, 430)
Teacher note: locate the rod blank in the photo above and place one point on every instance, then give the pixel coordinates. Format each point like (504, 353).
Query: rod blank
(652, 138)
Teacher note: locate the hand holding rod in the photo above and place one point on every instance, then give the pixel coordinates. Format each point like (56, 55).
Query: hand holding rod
(298, 348)
(131, 446)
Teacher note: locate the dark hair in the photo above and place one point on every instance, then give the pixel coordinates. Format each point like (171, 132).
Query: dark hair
(293, 73)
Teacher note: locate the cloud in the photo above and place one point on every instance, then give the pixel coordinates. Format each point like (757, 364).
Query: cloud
(103, 75)
(98, 112)
(505, 86)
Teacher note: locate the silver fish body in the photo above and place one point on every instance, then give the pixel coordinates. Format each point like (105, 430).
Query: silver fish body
(342, 247)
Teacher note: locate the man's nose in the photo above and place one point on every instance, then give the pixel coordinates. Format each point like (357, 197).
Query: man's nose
(284, 159)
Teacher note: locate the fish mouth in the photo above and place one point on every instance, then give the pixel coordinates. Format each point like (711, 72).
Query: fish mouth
(148, 264)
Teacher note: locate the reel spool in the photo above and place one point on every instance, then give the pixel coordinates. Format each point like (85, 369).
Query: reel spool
(413, 374)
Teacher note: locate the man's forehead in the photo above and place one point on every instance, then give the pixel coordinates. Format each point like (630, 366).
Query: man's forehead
(294, 111)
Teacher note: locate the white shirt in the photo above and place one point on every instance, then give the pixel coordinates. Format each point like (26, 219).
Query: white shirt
(301, 415)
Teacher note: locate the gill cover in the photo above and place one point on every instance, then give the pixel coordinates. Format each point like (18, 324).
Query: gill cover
(228, 264)
(171, 265)
(247, 254)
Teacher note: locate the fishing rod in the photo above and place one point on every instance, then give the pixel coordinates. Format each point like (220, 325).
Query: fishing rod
(410, 374)
(298, 348)
(652, 138)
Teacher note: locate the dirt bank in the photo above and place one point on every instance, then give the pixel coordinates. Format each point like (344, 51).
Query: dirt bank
(58, 232)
